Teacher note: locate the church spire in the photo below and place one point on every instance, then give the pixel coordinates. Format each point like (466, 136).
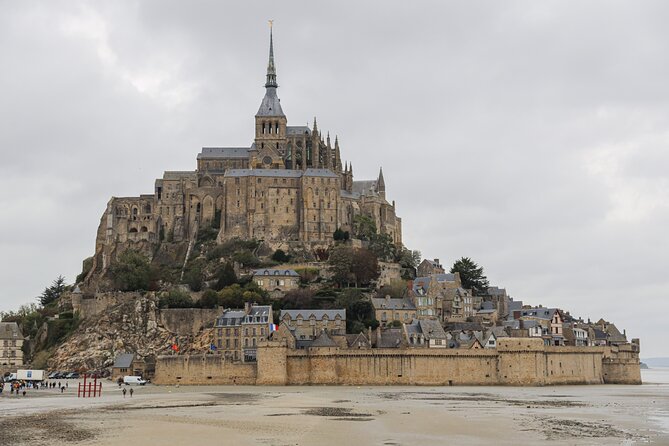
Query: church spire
(271, 69)
(381, 184)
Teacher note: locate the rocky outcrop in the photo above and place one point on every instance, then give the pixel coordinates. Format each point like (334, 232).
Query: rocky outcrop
(131, 326)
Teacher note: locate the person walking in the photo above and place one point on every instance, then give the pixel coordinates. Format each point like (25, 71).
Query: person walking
(124, 393)
(131, 392)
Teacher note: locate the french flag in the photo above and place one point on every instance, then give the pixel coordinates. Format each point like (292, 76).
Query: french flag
(273, 327)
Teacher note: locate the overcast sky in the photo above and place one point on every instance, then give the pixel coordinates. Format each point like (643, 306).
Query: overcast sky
(530, 136)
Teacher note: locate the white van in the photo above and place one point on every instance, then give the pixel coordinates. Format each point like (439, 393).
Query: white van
(127, 380)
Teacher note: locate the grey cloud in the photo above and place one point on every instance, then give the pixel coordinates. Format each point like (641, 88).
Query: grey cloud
(530, 136)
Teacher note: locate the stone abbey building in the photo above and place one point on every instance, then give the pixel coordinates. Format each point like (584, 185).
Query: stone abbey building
(288, 187)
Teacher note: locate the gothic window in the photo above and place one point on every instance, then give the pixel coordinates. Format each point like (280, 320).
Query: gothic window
(259, 180)
(277, 128)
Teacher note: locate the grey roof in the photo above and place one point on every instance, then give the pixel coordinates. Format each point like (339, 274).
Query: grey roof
(320, 173)
(487, 306)
(298, 130)
(515, 305)
(286, 173)
(10, 330)
(353, 339)
(271, 104)
(363, 187)
(275, 272)
(496, 291)
(538, 312)
(432, 329)
(392, 304)
(390, 338)
(323, 340)
(258, 314)
(424, 282)
(230, 318)
(347, 194)
(124, 360)
(318, 314)
(530, 323)
(223, 152)
(178, 174)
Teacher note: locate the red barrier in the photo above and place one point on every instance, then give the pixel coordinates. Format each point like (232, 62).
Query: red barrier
(89, 389)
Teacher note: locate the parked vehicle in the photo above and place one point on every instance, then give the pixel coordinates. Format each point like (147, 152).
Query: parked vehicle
(53, 375)
(127, 380)
(30, 375)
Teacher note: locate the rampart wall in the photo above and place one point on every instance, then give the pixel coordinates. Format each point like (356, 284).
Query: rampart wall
(516, 361)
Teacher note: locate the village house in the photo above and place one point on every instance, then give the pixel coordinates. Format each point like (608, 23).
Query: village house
(428, 267)
(128, 364)
(307, 324)
(551, 321)
(238, 332)
(425, 333)
(11, 344)
(273, 280)
(256, 325)
(387, 310)
(575, 336)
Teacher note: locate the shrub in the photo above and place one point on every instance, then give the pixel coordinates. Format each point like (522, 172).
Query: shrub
(209, 299)
(280, 256)
(131, 272)
(225, 276)
(175, 298)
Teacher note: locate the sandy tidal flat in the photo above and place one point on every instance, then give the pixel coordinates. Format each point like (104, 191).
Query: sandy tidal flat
(569, 415)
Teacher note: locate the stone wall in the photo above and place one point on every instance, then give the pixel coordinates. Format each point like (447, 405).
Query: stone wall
(90, 305)
(202, 369)
(516, 361)
(188, 321)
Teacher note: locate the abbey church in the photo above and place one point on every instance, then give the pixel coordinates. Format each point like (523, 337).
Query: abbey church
(287, 188)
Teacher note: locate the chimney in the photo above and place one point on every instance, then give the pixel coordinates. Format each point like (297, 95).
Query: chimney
(437, 262)
(387, 297)
(247, 307)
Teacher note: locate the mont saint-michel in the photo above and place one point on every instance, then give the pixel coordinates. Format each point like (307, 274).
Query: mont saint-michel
(270, 264)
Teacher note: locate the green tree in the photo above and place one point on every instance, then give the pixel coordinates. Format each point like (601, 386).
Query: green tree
(365, 266)
(280, 256)
(194, 274)
(340, 235)
(471, 275)
(53, 292)
(131, 271)
(341, 261)
(364, 227)
(383, 247)
(176, 298)
(225, 276)
(209, 299)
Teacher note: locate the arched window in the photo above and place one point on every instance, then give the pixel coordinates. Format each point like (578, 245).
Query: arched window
(144, 229)
(132, 230)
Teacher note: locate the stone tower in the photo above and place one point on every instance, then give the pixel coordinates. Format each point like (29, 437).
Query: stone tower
(270, 138)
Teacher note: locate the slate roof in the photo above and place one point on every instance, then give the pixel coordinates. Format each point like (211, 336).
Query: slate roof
(323, 340)
(179, 174)
(261, 312)
(539, 312)
(223, 152)
(318, 314)
(281, 173)
(10, 330)
(392, 304)
(271, 104)
(298, 130)
(230, 318)
(124, 360)
(275, 272)
(432, 329)
(363, 187)
(347, 194)
(390, 338)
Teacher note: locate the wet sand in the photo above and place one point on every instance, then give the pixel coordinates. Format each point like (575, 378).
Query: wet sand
(569, 415)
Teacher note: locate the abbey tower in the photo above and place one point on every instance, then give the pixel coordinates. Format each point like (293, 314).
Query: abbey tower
(288, 188)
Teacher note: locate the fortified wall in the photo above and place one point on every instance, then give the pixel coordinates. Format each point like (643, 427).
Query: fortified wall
(516, 361)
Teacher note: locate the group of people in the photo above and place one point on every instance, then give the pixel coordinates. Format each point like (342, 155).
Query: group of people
(21, 387)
